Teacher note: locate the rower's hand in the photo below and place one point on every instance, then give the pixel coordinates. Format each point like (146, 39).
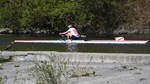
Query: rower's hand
(60, 33)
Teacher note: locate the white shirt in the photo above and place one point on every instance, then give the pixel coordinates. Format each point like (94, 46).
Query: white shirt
(73, 31)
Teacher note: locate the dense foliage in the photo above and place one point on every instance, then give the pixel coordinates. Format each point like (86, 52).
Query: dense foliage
(52, 16)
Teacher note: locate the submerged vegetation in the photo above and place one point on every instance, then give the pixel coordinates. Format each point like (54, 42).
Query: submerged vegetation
(52, 16)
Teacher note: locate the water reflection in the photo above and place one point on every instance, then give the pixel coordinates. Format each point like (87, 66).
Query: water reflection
(72, 47)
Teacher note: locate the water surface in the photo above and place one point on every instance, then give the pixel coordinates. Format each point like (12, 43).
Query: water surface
(100, 48)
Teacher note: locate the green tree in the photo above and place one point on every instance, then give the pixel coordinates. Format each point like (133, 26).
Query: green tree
(138, 14)
(40, 14)
(90, 16)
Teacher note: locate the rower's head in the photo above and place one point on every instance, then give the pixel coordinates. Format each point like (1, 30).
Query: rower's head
(69, 26)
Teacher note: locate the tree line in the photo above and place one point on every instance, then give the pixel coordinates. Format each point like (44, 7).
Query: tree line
(89, 16)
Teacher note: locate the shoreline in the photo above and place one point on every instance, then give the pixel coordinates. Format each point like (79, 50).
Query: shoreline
(81, 57)
(108, 68)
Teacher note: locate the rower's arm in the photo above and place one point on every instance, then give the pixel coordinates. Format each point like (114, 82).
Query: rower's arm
(64, 32)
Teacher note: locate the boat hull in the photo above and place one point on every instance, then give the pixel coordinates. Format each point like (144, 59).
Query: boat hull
(85, 42)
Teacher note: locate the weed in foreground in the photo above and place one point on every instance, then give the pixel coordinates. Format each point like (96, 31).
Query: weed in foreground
(53, 72)
(57, 71)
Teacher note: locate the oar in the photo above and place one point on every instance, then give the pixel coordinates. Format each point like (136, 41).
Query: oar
(9, 46)
(62, 37)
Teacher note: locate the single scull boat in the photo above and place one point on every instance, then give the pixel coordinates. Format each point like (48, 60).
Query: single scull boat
(118, 40)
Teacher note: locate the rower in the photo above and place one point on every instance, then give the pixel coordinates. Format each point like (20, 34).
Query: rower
(71, 33)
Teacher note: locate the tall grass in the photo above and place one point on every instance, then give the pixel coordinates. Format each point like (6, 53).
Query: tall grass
(59, 70)
(52, 72)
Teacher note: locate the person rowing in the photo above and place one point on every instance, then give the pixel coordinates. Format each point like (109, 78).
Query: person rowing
(71, 33)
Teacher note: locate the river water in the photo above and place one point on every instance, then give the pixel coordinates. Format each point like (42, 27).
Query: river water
(100, 48)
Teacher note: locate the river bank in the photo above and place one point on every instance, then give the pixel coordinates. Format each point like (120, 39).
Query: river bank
(105, 68)
(78, 57)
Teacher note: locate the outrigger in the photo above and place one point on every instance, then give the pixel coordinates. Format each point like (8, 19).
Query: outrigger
(118, 40)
